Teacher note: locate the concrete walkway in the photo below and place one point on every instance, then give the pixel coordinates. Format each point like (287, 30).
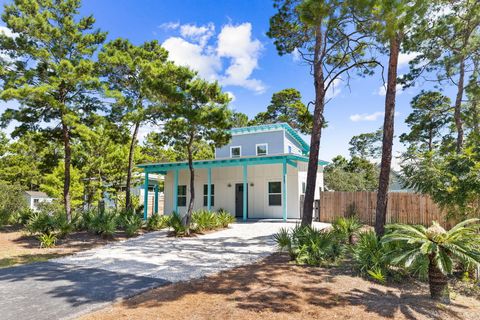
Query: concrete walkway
(74, 285)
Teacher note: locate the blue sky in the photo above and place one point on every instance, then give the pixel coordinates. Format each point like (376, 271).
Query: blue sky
(226, 40)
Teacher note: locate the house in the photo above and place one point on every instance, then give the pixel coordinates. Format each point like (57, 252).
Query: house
(261, 173)
(34, 198)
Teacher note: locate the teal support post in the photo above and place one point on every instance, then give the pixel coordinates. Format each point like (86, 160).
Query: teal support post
(209, 189)
(155, 204)
(245, 192)
(175, 190)
(284, 193)
(145, 198)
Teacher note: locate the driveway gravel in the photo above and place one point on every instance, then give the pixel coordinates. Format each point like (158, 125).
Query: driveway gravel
(70, 286)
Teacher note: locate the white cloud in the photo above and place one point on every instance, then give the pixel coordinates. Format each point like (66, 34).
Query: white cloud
(405, 58)
(369, 116)
(334, 89)
(296, 56)
(193, 55)
(366, 117)
(235, 47)
(197, 34)
(169, 25)
(231, 96)
(382, 90)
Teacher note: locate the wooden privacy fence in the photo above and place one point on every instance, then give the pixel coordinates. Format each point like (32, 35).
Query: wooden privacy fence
(403, 207)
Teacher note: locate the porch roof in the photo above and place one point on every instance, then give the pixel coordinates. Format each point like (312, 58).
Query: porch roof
(290, 159)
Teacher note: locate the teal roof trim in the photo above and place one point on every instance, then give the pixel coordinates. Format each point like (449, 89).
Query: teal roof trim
(272, 127)
(227, 162)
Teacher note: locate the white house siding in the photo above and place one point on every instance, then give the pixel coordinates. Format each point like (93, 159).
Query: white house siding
(258, 175)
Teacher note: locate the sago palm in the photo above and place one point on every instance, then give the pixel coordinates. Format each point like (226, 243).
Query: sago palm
(441, 248)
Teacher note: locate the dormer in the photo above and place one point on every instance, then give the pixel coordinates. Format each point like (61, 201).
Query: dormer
(263, 140)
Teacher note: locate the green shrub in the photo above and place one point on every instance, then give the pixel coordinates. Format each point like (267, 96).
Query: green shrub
(23, 216)
(346, 228)
(307, 245)
(203, 220)
(132, 224)
(224, 218)
(175, 222)
(370, 255)
(84, 219)
(41, 223)
(157, 222)
(62, 226)
(47, 240)
(12, 201)
(104, 223)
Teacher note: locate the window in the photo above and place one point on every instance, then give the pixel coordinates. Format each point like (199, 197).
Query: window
(182, 196)
(289, 149)
(205, 195)
(275, 193)
(304, 187)
(262, 149)
(235, 152)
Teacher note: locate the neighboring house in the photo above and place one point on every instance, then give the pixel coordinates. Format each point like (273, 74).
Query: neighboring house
(396, 184)
(34, 198)
(261, 173)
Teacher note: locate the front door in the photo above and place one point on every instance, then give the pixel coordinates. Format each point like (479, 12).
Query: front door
(239, 200)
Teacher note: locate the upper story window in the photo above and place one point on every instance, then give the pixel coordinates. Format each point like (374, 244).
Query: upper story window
(262, 149)
(235, 152)
(289, 149)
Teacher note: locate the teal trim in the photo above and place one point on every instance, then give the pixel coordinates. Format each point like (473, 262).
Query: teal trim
(175, 190)
(292, 159)
(209, 189)
(272, 127)
(145, 198)
(155, 204)
(245, 192)
(284, 193)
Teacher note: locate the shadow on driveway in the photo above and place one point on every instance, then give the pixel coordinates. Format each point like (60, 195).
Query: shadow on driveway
(51, 290)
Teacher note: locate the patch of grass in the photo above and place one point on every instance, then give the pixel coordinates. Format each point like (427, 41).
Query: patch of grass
(28, 258)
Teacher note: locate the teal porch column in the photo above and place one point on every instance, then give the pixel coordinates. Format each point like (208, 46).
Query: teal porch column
(284, 193)
(209, 189)
(155, 205)
(175, 190)
(245, 193)
(145, 198)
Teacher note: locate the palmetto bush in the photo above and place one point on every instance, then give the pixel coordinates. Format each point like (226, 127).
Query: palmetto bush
(370, 256)
(47, 240)
(224, 218)
(346, 228)
(104, 223)
(440, 248)
(204, 220)
(157, 222)
(307, 245)
(175, 222)
(132, 225)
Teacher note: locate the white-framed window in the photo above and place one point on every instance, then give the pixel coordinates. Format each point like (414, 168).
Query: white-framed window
(289, 149)
(304, 187)
(261, 149)
(274, 193)
(182, 196)
(205, 195)
(235, 152)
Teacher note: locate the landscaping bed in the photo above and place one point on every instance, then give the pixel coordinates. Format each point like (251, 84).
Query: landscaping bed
(277, 289)
(17, 247)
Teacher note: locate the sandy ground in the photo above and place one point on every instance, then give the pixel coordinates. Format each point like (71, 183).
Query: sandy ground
(276, 289)
(16, 247)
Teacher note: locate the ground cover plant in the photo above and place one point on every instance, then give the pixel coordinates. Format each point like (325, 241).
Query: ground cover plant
(202, 221)
(426, 254)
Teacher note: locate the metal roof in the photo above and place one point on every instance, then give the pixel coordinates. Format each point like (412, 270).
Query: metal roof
(37, 194)
(273, 127)
(290, 159)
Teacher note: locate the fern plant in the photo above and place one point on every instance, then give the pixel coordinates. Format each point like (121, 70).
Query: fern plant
(47, 240)
(442, 248)
(347, 228)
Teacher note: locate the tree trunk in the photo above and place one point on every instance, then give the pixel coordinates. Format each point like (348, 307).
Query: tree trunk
(318, 121)
(131, 153)
(388, 128)
(68, 161)
(458, 107)
(438, 283)
(188, 217)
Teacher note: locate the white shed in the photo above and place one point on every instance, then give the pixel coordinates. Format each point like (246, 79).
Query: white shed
(34, 198)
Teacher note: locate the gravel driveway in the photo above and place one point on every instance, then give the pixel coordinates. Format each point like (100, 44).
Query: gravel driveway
(70, 286)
